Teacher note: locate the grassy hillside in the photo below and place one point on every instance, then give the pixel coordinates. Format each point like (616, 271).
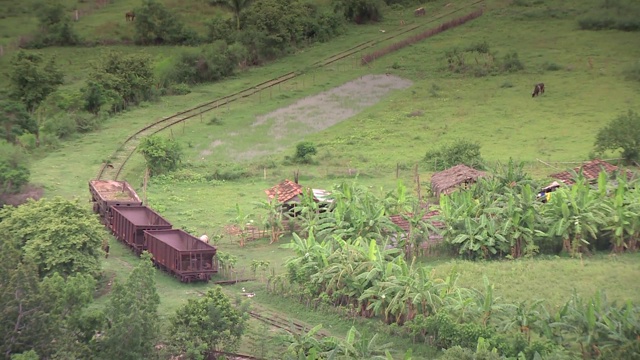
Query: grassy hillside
(584, 74)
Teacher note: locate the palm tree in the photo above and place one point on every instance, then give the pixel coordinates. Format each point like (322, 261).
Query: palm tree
(236, 6)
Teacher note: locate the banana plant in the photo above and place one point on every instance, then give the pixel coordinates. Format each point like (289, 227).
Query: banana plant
(575, 215)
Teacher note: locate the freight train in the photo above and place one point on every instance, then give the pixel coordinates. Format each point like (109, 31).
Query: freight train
(142, 229)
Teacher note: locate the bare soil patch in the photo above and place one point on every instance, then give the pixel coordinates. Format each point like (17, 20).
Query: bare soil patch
(328, 108)
(318, 112)
(29, 192)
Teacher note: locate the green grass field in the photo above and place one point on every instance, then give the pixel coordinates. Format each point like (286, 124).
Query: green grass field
(585, 90)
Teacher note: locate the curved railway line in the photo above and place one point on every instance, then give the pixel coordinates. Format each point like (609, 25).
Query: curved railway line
(117, 161)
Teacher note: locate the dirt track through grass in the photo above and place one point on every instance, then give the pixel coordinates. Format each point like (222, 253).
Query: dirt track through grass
(316, 113)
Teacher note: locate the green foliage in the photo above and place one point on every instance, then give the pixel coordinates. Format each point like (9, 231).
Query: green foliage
(162, 154)
(14, 169)
(359, 11)
(39, 315)
(118, 80)
(132, 314)
(58, 235)
(15, 120)
(461, 151)
(304, 152)
(612, 14)
(622, 133)
(31, 82)
(236, 6)
(211, 63)
(55, 27)
(220, 28)
(29, 355)
(477, 59)
(207, 324)
(156, 25)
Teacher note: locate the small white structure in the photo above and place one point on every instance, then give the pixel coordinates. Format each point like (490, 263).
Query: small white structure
(204, 238)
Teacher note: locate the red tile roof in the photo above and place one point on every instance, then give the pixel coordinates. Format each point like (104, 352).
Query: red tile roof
(286, 191)
(590, 170)
(404, 224)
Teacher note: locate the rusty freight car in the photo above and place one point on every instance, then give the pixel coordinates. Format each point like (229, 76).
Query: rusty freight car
(184, 256)
(108, 193)
(128, 224)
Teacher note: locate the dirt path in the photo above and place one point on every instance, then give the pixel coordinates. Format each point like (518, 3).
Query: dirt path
(318, 112)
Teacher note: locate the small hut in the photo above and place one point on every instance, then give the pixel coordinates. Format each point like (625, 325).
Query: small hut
(290, 193)
(286, 192)
(590, 170)
(403, 224)
(447, 181)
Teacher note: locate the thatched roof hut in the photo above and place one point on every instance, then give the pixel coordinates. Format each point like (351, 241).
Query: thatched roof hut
(445, 182)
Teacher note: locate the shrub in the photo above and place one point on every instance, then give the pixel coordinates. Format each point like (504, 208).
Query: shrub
(162, 154)
(511, 62)
(14, 170)
(550, 66)
(459, 152)
(55, 27)
(622, 133)
(359, 11)
(155, 24)
(613, 14)
(304, 152)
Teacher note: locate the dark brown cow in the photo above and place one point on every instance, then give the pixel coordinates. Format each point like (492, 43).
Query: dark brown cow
(419, 12)
(538, 89)
(130, 16)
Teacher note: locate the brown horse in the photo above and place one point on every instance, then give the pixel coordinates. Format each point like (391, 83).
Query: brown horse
(419, 12)
(538, 89)
(130, 16)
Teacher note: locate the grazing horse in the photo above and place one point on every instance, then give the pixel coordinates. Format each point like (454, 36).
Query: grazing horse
(419, 12)
(538, 89)
(130, 16)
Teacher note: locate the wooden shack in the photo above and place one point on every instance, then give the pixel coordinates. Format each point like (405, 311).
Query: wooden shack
(459, 176)
(590, 170)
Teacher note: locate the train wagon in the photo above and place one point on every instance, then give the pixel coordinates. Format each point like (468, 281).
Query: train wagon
(128, 225)
(181, 254)
(108, 193)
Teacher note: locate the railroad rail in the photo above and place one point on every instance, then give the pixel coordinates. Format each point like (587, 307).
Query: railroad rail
(289, 326)
(112, 168)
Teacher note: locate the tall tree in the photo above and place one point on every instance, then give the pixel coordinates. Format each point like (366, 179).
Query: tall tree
(236, 6)
(132, 314)
(623, 133)
(207, 324)
(40, 315)
(58, 235)
(31, 81)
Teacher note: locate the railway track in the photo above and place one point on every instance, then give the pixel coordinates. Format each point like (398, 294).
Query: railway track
(289, 326)
(113, 168)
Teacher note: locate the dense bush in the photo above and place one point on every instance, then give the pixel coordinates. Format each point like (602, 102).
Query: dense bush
(478, 60)
(459, 152)
(14, 170)
(118, 81)
(209, 63)
(55, 27)
(359, 11)
(304, 153)
(622, 133)
(613, 14)
(155, 24)
(161, 154)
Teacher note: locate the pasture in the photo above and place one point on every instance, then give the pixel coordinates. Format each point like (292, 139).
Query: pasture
(378, 144)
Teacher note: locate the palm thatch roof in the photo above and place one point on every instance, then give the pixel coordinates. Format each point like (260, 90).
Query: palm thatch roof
(444, 182)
